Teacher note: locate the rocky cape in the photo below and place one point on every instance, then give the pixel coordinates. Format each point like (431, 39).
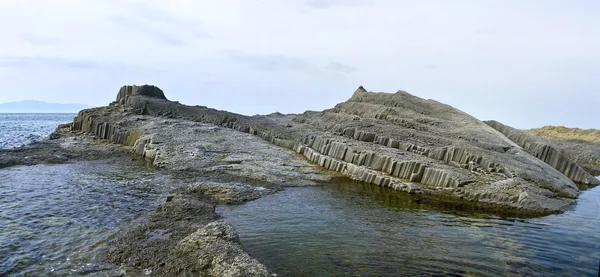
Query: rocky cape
(394, 140)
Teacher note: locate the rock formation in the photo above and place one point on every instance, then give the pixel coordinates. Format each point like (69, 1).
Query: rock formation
(145, 90)
(394, 140)
(444, 149)
(547, 153)
(580, 146)
(216, 247)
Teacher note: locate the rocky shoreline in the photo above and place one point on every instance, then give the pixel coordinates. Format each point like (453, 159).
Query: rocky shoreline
(396, 140)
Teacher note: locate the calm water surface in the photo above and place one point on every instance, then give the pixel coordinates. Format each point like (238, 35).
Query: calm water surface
(350, 229)
(55, 219)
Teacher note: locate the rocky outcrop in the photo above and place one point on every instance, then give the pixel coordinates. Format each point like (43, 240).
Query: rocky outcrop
(145, 90)
(216, 250)
(393, 140)
(547, 153)
(447, 150)
(104, 129)
(184, 237)
(108, 124)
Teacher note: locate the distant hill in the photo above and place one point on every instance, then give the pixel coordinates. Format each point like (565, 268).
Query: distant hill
(29, 106)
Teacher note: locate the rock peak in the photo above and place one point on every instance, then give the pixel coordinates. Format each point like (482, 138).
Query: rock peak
(144, 90)
(360, 89)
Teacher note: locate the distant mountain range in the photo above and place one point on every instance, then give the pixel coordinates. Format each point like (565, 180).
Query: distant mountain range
(29, 106)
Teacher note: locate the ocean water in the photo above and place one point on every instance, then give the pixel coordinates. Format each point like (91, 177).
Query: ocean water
(55, 220)
(20, 129)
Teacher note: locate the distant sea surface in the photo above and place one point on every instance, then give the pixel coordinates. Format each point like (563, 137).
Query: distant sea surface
(17, 129)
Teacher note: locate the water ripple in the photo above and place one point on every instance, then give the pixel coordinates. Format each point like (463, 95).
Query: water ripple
(55, 219)
(21, 129)
(355, 230)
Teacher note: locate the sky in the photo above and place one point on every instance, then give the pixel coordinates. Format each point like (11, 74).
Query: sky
(526, 63)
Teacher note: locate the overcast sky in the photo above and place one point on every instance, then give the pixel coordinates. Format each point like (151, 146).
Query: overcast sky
(524, 63)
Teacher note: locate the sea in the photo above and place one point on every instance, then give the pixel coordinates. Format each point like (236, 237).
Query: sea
(17, 129)
(56, 220)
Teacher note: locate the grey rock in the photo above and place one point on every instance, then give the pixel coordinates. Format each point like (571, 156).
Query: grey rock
(579, 146)
(545, 151)
(145, 90)
(215, 250)
(395, 140)
(379, 138)
(184, 237)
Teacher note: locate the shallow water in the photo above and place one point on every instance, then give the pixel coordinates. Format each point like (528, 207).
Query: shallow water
(21, 129)
(351, 229)
(55, 219)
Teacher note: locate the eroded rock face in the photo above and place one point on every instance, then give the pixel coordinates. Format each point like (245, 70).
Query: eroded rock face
(545, 151)
(145, 90)
(408, 143)
(579, 146)
(395, 140)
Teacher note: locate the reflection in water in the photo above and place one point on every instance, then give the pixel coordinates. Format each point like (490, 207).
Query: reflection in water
(349, 229)
(55, 219)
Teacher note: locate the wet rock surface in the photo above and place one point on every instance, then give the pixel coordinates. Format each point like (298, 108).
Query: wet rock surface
(216, 248)
(62, 150)
(215, 165)
(184, 237)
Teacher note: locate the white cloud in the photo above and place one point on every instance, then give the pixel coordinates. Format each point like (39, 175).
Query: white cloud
(465, 53)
